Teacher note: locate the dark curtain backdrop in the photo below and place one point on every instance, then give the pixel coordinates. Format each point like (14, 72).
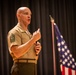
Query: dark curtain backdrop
(63, 11)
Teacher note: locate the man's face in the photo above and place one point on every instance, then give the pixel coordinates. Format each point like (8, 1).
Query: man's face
(25, 16)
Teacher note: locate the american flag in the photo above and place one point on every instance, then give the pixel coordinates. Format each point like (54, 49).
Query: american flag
(67, 62)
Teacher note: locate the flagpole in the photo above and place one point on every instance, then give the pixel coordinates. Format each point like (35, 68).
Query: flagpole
(53, 44)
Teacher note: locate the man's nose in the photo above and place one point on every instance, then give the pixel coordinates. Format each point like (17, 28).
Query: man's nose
(29, 16)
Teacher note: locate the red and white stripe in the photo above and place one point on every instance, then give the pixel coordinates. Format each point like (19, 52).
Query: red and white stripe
(67, 71)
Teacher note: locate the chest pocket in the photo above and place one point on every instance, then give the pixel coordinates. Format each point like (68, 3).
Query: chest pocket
(25, 37)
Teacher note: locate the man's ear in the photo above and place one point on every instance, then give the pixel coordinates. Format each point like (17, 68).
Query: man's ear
(18, 16)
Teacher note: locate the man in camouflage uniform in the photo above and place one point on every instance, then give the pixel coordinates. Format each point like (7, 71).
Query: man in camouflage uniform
(23, 46)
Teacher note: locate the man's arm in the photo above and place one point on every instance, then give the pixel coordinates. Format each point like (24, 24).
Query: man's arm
(22, 49)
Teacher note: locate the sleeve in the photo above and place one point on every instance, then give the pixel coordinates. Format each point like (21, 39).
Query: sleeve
(13, 39)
